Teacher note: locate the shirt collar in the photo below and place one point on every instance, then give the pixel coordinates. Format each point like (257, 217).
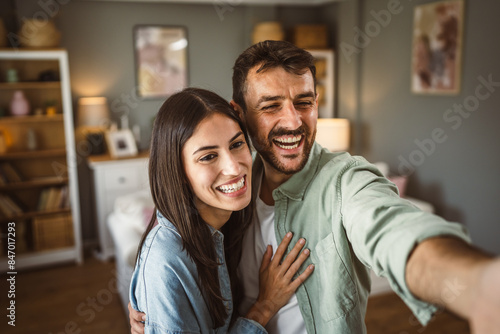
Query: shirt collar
(166, 223)
(295, 187)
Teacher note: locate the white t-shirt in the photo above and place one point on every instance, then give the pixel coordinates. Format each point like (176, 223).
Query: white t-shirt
(261, 233)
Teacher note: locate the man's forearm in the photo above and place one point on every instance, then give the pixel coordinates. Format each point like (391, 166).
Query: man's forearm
(445, 271)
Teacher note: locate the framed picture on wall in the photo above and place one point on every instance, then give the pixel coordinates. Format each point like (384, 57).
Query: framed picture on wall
(324, 62)
(161, 60)
(437, 47)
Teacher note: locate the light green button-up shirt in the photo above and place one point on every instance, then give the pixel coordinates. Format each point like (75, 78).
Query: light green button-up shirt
(353, 219)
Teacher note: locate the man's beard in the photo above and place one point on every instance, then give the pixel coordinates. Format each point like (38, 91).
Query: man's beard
(265, 149)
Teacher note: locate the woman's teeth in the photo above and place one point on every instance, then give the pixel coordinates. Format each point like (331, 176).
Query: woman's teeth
(231, 188)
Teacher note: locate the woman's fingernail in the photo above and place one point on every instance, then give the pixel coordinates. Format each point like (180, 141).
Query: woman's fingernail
(311, 266)
(289, 235)
(306, 252)
(302, 241)
(143, 318)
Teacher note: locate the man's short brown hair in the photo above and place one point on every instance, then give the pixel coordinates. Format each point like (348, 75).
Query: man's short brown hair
(269, 54)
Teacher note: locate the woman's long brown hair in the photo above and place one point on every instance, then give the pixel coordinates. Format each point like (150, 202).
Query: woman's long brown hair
(175, 123)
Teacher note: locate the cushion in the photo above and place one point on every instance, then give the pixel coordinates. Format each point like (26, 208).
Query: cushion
(134, 210)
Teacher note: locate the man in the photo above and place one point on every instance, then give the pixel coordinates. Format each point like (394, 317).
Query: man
(350, 215)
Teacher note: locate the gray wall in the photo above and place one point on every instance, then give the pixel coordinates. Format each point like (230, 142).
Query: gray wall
(461, 175)
(98, 37)
(373, 88)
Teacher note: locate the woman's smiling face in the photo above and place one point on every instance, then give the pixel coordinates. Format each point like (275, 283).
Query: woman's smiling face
(218, 164)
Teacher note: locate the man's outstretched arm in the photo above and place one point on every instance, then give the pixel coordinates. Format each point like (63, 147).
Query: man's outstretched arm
(453, 274)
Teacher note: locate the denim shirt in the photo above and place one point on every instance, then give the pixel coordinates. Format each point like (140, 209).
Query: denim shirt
(165, 286)
(352, 219)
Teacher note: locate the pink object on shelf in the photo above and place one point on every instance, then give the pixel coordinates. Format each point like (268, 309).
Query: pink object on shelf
(19, 106)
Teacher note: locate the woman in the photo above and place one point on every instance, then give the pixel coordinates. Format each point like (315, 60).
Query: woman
(200, 177)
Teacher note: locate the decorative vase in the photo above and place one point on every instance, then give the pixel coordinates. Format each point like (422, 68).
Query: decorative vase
(19, 106)
(38, 33)
(12, 75)
(31, 140)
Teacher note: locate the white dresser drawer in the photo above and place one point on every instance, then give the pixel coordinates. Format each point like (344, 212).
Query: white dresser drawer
(114, 178)
(121, 179)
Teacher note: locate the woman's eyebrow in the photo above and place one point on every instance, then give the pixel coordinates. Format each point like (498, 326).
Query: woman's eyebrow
(213, 147)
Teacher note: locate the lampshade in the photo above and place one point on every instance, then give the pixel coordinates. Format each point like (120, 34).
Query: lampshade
(333, 133)
(93, 112)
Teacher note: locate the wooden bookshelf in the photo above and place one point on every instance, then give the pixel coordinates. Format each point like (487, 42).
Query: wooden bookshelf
(28, 171)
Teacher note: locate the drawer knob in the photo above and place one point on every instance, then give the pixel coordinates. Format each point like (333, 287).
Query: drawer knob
(122, 179)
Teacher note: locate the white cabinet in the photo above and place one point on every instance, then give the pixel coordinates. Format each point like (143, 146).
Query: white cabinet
(113, 178)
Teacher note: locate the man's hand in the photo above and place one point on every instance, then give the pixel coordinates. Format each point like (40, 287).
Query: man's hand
(485, 310)
(136, 318)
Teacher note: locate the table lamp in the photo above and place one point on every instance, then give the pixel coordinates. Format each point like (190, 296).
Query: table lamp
(93, 112)
(333, 133)
(93, 120)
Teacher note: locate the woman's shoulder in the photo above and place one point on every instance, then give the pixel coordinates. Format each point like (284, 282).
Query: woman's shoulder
(163, 250)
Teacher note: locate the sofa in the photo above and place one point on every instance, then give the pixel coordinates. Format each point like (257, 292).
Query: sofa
(132, 213)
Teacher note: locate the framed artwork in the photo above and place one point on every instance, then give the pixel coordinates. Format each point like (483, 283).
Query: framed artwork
(121, 143)
(161, 60)
(324, 62)
(437, 47)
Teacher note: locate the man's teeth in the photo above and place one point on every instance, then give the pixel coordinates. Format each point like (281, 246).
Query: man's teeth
(231, 188)
(295, 141)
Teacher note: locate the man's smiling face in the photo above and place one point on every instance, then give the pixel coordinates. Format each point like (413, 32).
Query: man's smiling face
(282, 111)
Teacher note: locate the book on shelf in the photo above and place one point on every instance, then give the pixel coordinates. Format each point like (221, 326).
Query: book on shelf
(9, 207)
(9, 173)
(53, 198)
(42, 199)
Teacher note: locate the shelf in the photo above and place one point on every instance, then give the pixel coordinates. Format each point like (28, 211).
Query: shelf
(36, 183)
(32, 214)
(60, 152)
(31, 119)
(30, 85)
(42, 258)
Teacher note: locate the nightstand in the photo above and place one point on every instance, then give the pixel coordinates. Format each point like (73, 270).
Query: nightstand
(113, 178)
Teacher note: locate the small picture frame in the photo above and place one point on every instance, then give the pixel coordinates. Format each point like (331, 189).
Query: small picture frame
(121, 143)
(161, 60)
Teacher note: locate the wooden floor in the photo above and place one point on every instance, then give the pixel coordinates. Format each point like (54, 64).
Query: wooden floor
(83, 299)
